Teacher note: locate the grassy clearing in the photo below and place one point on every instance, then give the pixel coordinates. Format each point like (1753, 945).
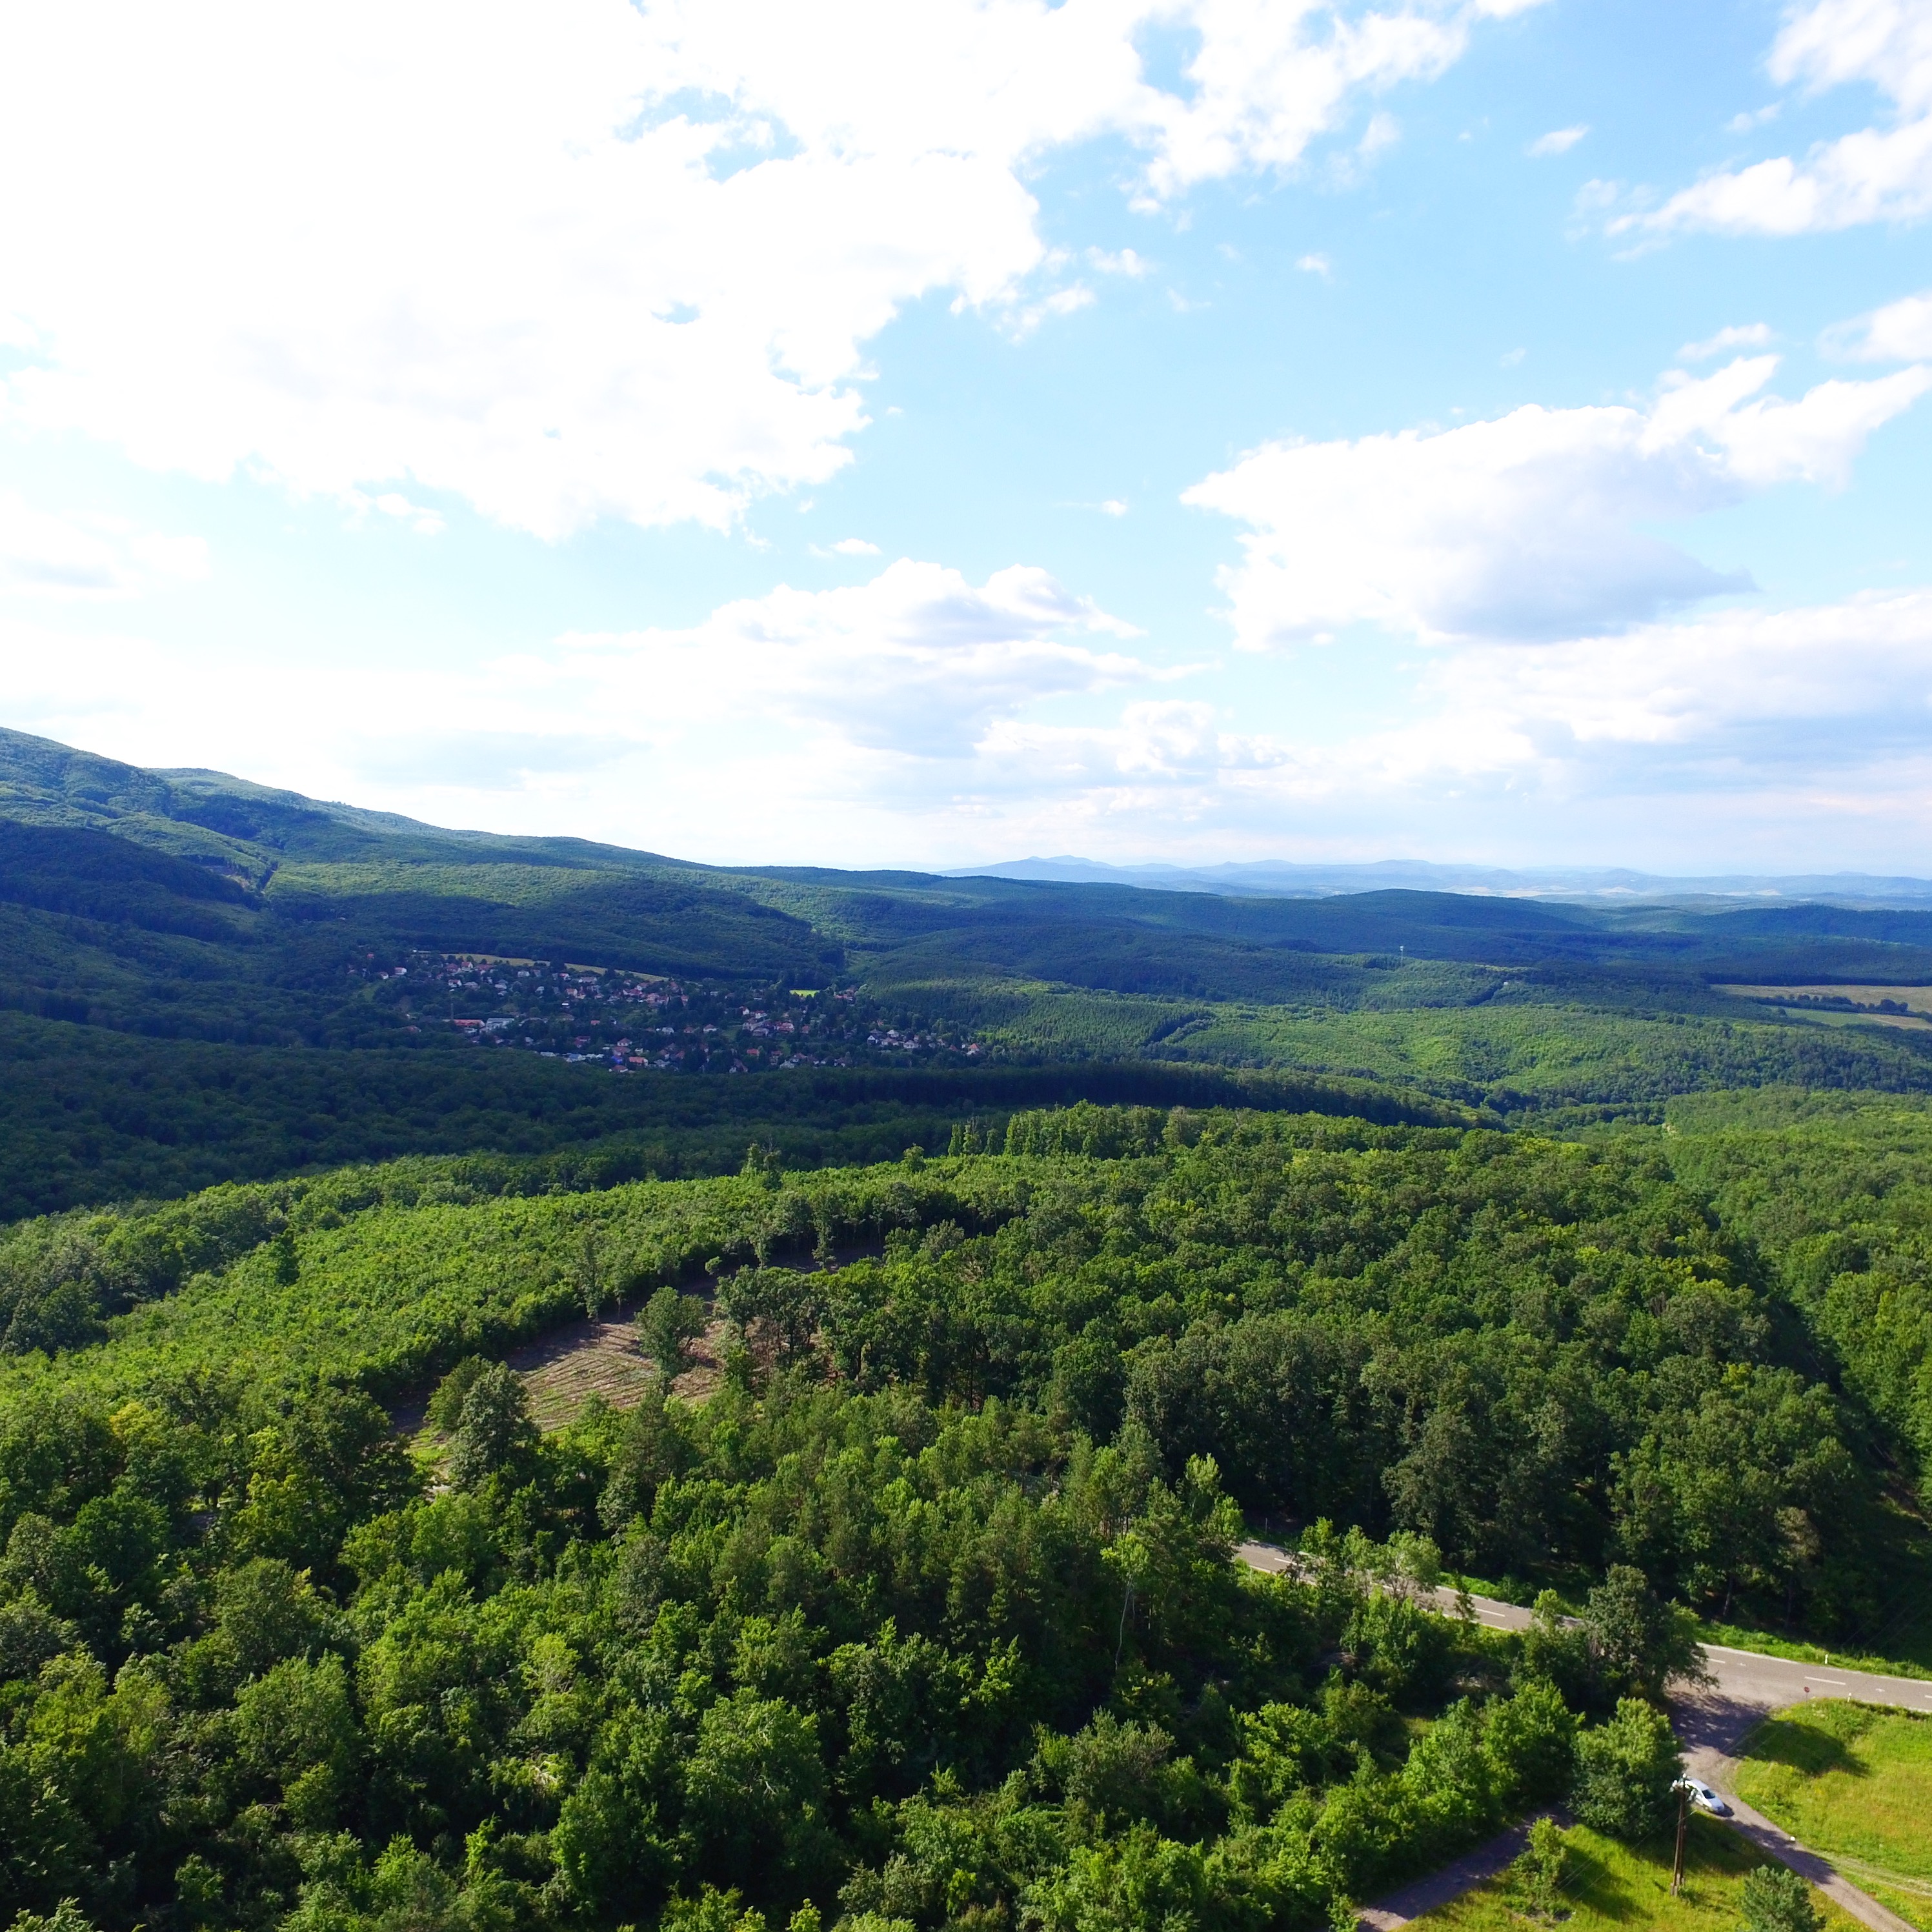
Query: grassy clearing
(1610, 1887)
(1826, 1017)
(1854, 1782)
(1913, 999)
(564, 1369)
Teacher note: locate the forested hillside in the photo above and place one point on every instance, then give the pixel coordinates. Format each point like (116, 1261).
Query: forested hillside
(208, 979)
(1834, 1193)
(925, 1615)
(914, 1612)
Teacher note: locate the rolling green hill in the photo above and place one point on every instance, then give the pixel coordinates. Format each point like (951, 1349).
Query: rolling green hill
(306, 1107)
(200, 979)
(921, 1613)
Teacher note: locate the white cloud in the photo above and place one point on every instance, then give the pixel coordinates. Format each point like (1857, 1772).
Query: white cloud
(1383, 130)
(918, 661)
(1748, 335)
(89, 557)
(1267, 80)
(922, 719)
(1159, 761)
(1524, 527)
(1880, 173)
(774, 726)
(1126, 262)
(1803, 736)
(424, 521)
(1901, 331)
(1822, 685)
(1793, 739)
(1021, 318)
(600, 261)
(1316, 265)
(1114, 507)
(1559, 140)
(1796, 739)
(855, 547)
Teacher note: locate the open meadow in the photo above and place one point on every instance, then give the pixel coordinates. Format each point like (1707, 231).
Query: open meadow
(1854, 1782)
(1610, 1887)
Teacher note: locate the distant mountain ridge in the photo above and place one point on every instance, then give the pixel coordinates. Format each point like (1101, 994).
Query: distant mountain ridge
(1273, 878)
(202, 977)
(1254, 930)
(236, 826)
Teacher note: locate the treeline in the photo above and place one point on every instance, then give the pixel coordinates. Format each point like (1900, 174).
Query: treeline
(1547, 1358)
(94, 1117)
(802, 1655)
(1549, 1045)
(383, 1277)
(1835, 1192)
(925, 1620)
(1530, 1050)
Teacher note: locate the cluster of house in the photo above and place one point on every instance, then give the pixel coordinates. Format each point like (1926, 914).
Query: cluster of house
(549, 999)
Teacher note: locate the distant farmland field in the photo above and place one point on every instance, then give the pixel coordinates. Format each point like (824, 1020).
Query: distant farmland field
(1887, 1005)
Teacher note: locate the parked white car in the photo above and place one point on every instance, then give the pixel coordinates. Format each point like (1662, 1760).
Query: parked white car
(1705, 1799)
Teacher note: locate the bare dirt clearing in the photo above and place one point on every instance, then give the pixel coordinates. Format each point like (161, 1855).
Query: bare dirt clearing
(569, 1365)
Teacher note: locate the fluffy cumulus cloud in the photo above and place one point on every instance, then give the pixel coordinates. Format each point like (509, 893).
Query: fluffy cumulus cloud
(1786, 739)
(1742, 335)
(1798, 736)
(1526, 527)
(917, 666)
(1880, 173)
(1901, 331)
(594, 259)
(918, 663)
(924, 719)
(1819, 690)
(90, 557)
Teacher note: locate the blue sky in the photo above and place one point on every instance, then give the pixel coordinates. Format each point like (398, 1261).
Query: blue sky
(1484, 430)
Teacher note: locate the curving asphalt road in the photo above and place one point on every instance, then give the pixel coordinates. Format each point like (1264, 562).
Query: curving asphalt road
(1746, 1686)
(1712, 1719)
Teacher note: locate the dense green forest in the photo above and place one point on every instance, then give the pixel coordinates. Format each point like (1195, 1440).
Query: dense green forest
(1834, 1192)
(96, 1117)
(1079, 1226)
(925, 1615)
(201, 978)
(1471, 1331)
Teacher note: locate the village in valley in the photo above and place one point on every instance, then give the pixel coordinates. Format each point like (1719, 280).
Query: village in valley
(624, 1020)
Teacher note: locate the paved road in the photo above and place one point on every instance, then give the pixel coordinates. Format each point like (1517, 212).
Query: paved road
(1712, 1719)
(1487, 1610)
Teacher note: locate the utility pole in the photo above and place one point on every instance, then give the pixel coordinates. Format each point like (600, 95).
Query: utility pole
(1682, 1789)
